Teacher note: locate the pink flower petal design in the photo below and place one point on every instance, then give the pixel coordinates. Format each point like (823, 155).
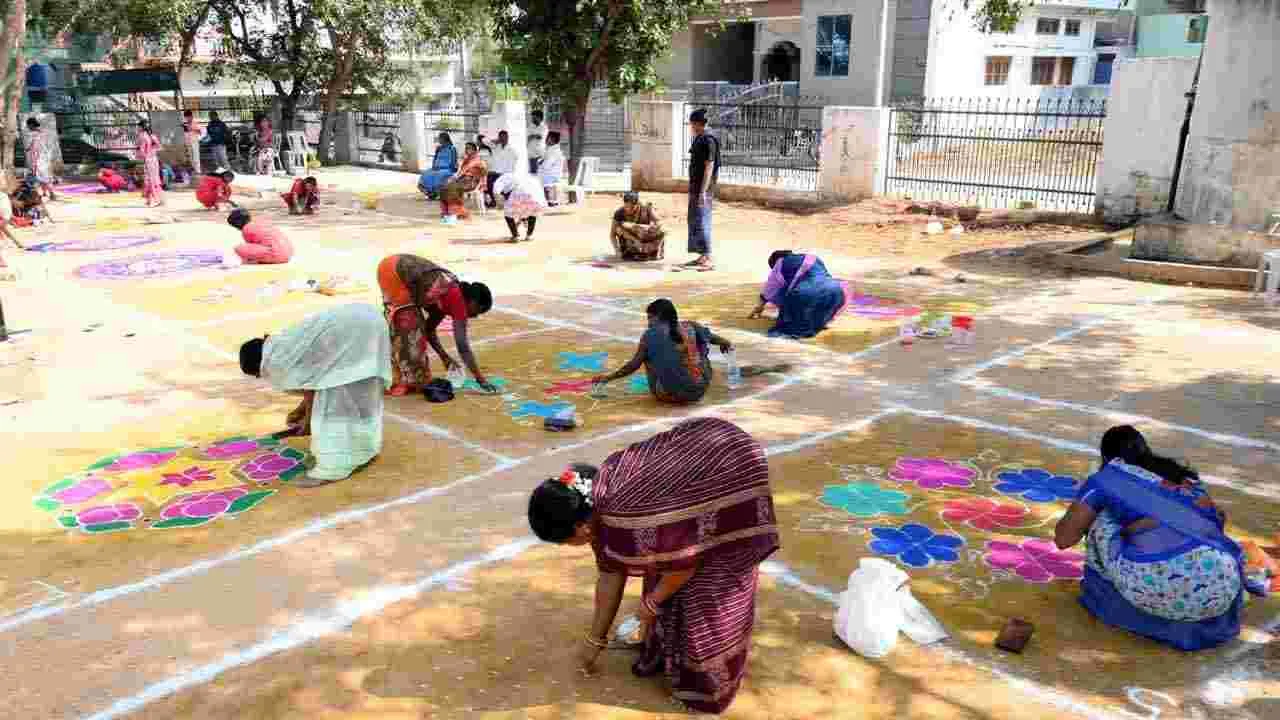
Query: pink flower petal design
(233, 449)
(82, 491)
(205, 504)
(140, 461)
(108, 513)
(1035, 560)
(932, 473)
(984, 514)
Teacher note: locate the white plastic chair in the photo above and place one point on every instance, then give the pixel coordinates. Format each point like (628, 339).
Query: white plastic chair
(277, 160)
(1269, 269)
(577, 191)
(296, 152)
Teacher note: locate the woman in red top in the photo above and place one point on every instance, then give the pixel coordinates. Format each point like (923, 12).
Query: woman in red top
(215, 189)
(411, 287)
(303, 197)
(264, 244)
(112, 180)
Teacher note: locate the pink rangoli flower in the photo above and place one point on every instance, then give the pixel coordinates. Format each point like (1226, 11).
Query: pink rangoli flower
(269, 466)
(140, 461)
(203, 505)
(1035, 560)
(932, 473)
(120, 512)
(570, 386)
(984, 514)
(84, 490)
(231, 449)
(187, 477)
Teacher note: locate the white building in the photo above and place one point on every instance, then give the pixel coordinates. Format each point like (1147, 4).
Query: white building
(1059, 48)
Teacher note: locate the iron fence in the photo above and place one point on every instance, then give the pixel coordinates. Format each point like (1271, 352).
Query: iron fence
(997, 153)
(98, 136)
(462, 127)
(770, 145)
(378, 135)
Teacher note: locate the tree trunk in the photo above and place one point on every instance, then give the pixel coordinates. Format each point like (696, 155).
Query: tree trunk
(15, 30)
(340, 81)
(575, 119)
(185, 49)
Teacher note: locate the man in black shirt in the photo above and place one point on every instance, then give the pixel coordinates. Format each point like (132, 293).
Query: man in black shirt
(704, 168)
(217, 132)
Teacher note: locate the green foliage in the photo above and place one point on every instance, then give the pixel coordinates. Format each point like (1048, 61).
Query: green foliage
(561, 49)
(998, 16)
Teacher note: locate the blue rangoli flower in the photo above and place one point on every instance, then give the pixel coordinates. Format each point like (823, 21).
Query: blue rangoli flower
(1036, 485)
(639, 385)
(537, 409)
(915, 545)
(590, 362)
(865, 499)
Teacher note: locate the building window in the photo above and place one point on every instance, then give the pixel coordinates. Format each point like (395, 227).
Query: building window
(1071, 28)
(1066, 69)
(1196, 28)
(997, 72)
(833, 45)
(1047, 26)
(1102, 71)
(1042, 70)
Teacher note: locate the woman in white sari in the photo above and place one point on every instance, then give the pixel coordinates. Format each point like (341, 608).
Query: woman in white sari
(340, 360)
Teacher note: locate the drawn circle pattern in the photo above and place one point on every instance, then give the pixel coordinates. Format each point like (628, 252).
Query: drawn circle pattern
(105, 242)
(150, 266)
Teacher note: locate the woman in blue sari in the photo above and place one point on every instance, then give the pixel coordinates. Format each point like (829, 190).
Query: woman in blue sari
(443, 166)
(1158, 562)
(806, 295)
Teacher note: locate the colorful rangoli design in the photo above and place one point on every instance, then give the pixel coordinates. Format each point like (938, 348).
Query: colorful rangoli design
(173, 487)
(151, 266)
(986, 522)
(874, 307)
(105, 242)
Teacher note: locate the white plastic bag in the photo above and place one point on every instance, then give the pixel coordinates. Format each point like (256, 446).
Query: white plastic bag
(877, 605)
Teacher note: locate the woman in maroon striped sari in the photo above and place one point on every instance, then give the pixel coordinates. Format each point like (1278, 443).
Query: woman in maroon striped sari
(690, 511)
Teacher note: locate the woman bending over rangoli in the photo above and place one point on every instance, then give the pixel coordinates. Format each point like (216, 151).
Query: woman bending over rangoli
(691, 512)
(1158, 563)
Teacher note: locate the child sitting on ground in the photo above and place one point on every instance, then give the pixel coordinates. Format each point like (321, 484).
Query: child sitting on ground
(113, 181)
(28, 201)
(264, 244)
(215, 189)
(303, 197)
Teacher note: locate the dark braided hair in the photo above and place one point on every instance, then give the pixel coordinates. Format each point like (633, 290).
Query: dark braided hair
(1126, 443)
(665, 310)
(555, 509)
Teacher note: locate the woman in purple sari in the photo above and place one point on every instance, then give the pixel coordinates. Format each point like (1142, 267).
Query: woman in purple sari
(690, 511)
(806, 295)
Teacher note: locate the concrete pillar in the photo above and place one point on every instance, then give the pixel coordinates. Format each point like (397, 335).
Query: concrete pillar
(657, 145)
(512, 116)
(346, 145)
(416, 148)
(854, 145)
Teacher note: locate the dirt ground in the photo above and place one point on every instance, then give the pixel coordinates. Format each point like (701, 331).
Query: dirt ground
(158, 562)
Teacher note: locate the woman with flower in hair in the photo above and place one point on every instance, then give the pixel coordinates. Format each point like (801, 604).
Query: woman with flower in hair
(690, 511)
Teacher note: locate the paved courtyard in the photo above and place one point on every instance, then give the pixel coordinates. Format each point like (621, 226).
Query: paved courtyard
(199, 583)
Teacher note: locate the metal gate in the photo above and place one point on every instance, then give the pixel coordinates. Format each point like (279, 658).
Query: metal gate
(997, 153)
(378, 136)
(766, 145)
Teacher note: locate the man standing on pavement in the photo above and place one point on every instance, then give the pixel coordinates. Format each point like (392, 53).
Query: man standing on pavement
(191, 132)
(503, 161)
(704, 168)
(217, 132)
(537, 141)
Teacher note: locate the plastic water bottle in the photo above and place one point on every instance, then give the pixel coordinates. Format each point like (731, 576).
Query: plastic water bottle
(735, 372)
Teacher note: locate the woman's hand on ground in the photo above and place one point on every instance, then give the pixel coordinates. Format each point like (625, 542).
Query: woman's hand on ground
(726, 347)
(588, 655)
(600, 379)
(487, 386)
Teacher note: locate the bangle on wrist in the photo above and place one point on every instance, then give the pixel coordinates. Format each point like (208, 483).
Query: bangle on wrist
(597, 643)
(650, 605)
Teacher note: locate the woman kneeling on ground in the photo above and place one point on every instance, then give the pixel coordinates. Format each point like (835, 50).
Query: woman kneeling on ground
(636, 232)
(214, 189)
(264, 243)
(689, 510)
(522, 199)
(806, 295)
(1158, 562)
(303, 197)
(675, 356)
(340, 360)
